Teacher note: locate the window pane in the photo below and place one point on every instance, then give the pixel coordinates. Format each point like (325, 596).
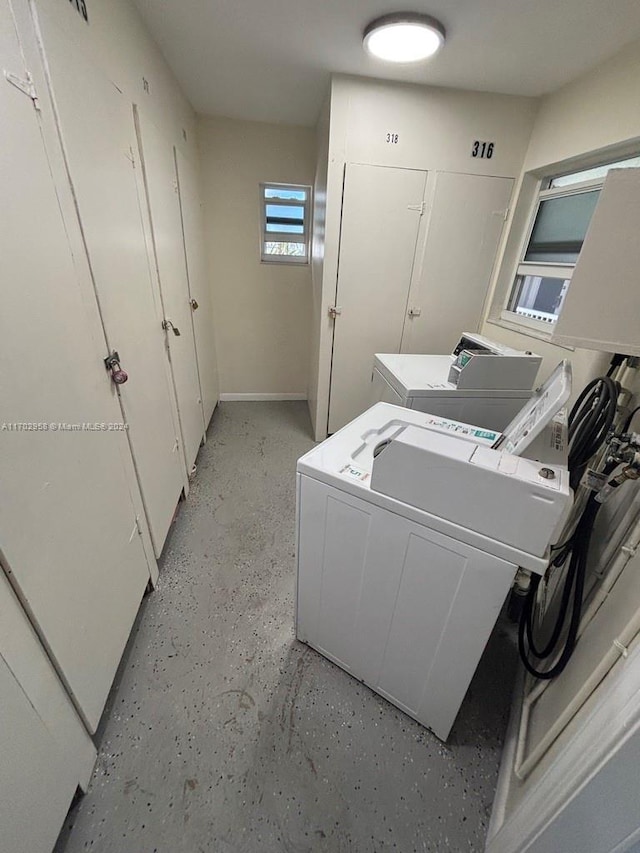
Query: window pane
(593, 174)
(297, 250)
(538, 297)
(283, 192)
(560, 228)
(280, 228)
(285, 219)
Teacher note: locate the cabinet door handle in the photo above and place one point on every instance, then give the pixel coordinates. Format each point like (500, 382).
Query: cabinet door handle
(415, 312)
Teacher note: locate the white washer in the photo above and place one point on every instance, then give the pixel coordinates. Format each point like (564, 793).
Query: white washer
(481, 382)
(405, 557)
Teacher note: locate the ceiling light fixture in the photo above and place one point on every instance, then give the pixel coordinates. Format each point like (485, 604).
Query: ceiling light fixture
(404, 37)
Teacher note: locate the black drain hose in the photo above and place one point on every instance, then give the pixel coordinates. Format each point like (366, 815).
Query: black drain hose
(590, 422)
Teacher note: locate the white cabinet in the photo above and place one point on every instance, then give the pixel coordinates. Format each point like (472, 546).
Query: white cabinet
(46, 751)
(380, 221)
(414, 267)
(199, 290)
(466, 218)
(98, 139)
(91, 471)
(158, 164)
(68, 524)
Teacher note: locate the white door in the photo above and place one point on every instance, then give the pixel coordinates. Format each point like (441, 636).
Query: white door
(199, 290)
(37, 784)
(380, 220)
(46, 750)
(166, 222)
(99, 143)
(68, 531)
(465, 223)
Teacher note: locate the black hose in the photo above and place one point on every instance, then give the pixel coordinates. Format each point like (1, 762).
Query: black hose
(590, 422)
(573, 583)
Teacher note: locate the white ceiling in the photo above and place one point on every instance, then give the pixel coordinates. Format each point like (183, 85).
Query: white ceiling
(270, 60)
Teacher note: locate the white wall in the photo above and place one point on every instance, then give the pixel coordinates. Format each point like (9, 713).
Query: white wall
(119, 43)
(436, 129)
(261, 310)
(598, 112)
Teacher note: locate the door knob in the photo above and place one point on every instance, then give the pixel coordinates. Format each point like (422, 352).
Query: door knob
(194, 304)
(112, 363)
(167, 324)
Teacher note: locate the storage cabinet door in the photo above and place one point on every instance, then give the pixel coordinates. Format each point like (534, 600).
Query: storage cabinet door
(199, 289)
(166, 223)
(46, 750)
(68, 529)
(37, 784)
(99, 141)
(466, 219)
(380, 220)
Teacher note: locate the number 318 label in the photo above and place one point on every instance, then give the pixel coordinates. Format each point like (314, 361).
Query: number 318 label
(482, 149)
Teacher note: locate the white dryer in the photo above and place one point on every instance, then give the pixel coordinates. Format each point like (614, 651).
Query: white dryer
(481, 382)
(410, 529)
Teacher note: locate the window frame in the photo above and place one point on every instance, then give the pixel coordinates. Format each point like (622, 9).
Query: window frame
(536, 187)
(284, 236)
(547, 269)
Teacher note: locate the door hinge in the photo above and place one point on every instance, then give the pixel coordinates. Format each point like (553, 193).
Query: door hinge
(131, 157)
(419, 207)
(335, 311)
(25, 85)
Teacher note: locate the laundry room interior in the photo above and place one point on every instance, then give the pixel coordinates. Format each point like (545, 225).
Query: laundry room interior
(320, 376)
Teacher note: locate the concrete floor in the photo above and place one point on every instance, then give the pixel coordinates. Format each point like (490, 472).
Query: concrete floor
(224, 734)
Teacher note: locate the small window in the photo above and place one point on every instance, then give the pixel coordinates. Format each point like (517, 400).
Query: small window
(560, 221)
(284, 210)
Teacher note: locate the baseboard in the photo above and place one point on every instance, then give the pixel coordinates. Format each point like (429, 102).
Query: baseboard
(258, 397)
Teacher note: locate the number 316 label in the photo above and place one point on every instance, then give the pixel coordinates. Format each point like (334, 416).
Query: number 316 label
(482, 149)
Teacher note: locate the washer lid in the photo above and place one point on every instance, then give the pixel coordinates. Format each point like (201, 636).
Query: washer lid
(418, 375)
(537, 412)
(413, 374)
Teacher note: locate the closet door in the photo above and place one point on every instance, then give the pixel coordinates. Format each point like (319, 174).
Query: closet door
(99, 143)
(466, 218)
(68, 530)
(199, 289)
(166, 223)
(380, 220)
(46, 750)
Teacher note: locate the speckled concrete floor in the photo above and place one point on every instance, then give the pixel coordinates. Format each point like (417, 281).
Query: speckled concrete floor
(224, 734)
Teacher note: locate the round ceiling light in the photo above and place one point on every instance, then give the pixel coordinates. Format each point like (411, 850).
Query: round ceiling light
(404, 37)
